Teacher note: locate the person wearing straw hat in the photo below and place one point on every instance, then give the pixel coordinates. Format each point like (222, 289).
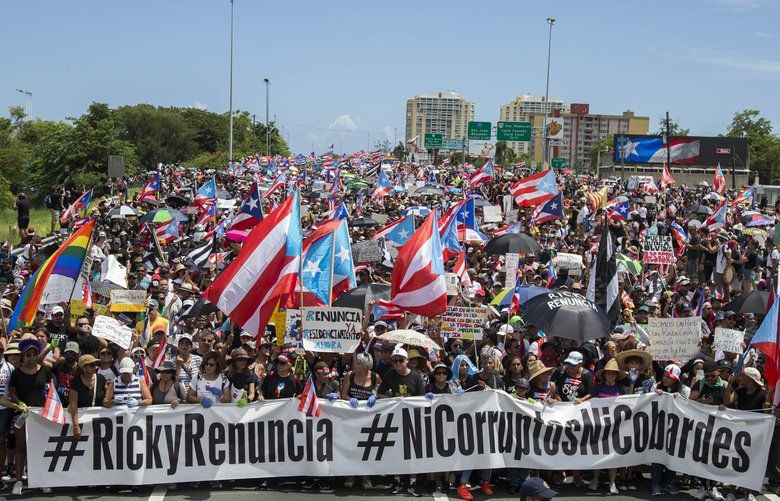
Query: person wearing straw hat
(636, 363)
(243, 380)
(541, 386)
(607, 387)
(87, 389)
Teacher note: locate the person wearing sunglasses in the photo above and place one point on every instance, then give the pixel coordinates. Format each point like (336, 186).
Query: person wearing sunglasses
(280, 381)
(209, 383)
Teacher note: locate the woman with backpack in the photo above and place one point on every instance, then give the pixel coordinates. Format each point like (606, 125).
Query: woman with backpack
(167, 390)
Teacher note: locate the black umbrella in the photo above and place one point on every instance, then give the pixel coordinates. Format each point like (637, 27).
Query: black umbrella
(362, 296)
(519, 243)
(176, 201)
(201, 307)
(699, 209)
(567, 315)
(363, 221)
(749, 302)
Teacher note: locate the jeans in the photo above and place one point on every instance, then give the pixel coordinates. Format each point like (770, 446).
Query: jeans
(661, 476)
(465, 474)
(516, 476)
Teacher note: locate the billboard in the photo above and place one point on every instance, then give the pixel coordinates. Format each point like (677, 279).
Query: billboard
(554, 127)
(683, 150)
(579, 108)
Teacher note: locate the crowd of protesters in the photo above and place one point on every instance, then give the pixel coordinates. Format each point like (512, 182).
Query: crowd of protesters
(211, 360)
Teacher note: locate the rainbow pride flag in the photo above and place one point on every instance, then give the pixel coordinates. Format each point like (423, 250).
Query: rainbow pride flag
(55, 279)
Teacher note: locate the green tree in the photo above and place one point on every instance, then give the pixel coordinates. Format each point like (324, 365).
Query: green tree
(604, 146)
(504, 154)
(158, 134)
(399, 151)
(763, 147)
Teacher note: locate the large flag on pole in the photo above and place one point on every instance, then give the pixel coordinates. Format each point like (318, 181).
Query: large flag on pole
(264, 272)
(719, 183)
(603, 288)
(251, 211)
(666, 177)
(418, 279)
(534, 190)
(81, 203)
(55, 279)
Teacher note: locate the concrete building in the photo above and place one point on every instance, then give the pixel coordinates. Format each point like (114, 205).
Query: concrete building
(445, 113)
(521, 108)
(580, 131)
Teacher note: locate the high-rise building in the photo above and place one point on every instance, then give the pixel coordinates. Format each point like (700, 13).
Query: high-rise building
(445, 113)
(520, 110)
(580, 131)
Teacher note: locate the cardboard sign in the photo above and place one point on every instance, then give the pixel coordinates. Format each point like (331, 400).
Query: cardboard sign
(128, 301)
(571, 262)
(463, 322)
(507, 202)
(112, 271)
(112, 331)
(77, 309)
(657, 250)
(729, 340)
(332, 329)
(367, 251)
(491, 214)
(453, 284)
(292, 334)
(224, 204)
(674, 338)
(511, 216)
(511, 262)
(379, 218)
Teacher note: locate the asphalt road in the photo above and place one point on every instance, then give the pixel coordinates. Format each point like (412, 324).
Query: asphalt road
(248, 490)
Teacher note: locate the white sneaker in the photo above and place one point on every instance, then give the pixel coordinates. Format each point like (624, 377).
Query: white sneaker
(700, 493)
(594, 485)
(17, 488)
(750, 497)
(715, 494)
(613, 489)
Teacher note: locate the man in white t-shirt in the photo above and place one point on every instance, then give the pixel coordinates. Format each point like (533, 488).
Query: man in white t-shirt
(722, 261)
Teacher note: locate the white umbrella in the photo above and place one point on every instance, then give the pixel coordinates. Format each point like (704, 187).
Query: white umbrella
(122, 212)
(409, 337)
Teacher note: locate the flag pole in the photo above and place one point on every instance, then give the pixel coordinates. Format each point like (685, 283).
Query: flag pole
(332, 262)
(87, 255)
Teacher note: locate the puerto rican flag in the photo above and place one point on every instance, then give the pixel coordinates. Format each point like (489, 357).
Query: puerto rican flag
(484, 174)
(86, 294)
(339, 212)
(167, 232)
(460, 269)
(264, 272)
(549, 211)
(514, 306)
(620, 213)
(80, 204)
(309, 403)
(719, 183)
(418, 279)
(766, 340)
(279, 182)
(382, 187)
(150, 189)
(161, 349)
(666, 177)
(717, 219)
(398, 232)
(385, 310)
(534, 190)
(552, 276)
(744, 196)
(510, 228)
(206, 193)
(52, 408)
(251, 211)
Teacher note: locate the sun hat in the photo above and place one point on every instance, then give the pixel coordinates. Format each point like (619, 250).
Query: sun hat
(537, 369)
(442, 366)
(610, 366)
(13, 349)
(753, 374)
(645, 358)
(87, 360)
(239, 353)
(166, 366)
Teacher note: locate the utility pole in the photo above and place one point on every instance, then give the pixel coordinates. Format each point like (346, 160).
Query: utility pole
(550, 21)
(27, 103)
(395, 136)
(230, 119)
(267, 132)
(668, 142)
(733, 173)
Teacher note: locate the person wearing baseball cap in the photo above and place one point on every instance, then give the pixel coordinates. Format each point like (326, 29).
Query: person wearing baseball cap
(65, 370)
(574, 382)
(280, 382)
(536, 489)
(401, 381)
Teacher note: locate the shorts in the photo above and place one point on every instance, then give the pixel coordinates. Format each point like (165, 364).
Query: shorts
(55, 215)
(6, 420)
(23, 222)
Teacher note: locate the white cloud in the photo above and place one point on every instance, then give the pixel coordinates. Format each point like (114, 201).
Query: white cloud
(199, 106)
(725, 58)
(344, 122)
(742, 5)
(761, 34)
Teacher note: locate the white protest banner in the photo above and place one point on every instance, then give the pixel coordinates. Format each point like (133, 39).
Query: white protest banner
(453, 284)
(729, 340)
(128, 300)
(225, 204)
(571, 262)
(112, 271)
(511, 262)
(112, 330)
(657, 250)
(491, 214)
(674, 338)
(331, 329)
(508, 202)
(488, 429)
(463, 322)
(511, 216)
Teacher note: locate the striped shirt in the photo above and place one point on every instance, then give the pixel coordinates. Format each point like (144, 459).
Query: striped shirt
(189, 370)
(5, 375)
(123, 393)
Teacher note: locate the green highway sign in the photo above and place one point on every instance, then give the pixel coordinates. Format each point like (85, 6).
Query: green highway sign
(479, 131)
(513, 131)
(558, 163)
(433, 140)
(453, 144)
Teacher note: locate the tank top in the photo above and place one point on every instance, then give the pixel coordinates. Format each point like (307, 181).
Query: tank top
(122, 392)
(361, 392)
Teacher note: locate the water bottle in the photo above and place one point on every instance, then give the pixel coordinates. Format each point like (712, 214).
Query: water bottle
(20, 420)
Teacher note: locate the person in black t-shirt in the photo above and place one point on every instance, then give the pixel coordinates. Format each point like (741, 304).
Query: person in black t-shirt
(281, 382)
(22, 207)
(401, 381)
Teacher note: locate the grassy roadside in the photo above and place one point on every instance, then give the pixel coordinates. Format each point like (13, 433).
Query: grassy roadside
(40, 219)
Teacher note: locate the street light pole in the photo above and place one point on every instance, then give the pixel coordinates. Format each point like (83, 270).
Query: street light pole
(267, 140)
(230, 118)
(27, 103)
(550, 21)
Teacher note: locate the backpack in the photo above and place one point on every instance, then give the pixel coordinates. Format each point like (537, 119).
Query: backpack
(47, 201)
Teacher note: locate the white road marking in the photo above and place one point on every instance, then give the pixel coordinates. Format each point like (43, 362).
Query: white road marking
(438, 496)
(158, 494)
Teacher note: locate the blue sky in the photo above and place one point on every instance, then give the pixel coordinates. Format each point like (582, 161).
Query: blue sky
(343, 69)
